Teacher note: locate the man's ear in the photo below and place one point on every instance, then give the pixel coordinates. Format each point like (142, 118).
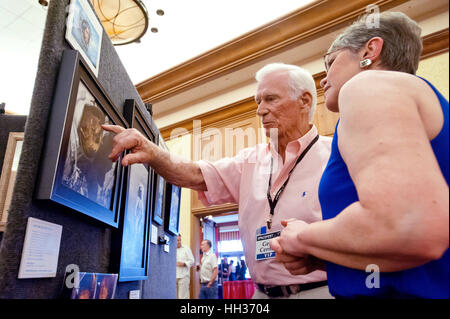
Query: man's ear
(305, 100)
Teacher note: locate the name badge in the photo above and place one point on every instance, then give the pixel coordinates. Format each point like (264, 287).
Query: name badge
(263, 250)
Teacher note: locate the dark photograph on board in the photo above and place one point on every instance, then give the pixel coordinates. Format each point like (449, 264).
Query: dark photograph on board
(87, 169)
(130, 249)
(76, 171)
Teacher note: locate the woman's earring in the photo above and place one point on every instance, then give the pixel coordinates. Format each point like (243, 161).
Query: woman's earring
(365, 63)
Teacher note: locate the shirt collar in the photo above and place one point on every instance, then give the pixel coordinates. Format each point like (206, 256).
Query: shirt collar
(299, 144)
(207, 253)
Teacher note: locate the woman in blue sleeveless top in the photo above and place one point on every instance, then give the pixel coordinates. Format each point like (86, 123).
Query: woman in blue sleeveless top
(384, 193)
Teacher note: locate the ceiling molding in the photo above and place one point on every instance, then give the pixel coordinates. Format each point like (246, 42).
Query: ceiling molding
(435, 43)
(300, 26)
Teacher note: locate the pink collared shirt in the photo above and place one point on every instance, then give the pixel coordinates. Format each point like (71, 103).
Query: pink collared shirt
(244, 180)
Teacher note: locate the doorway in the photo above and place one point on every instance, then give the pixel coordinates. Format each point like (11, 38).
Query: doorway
(222, 230)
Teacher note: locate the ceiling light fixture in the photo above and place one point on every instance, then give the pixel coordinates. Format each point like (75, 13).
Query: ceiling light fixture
(125, 21)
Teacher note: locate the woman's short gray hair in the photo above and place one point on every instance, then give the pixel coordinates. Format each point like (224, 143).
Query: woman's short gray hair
(300, 81)
(402, 44)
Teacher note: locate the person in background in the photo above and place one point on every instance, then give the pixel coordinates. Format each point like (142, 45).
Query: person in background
(384, 193)
(269, 182)
(241, 270)
(223, 271)
(185, 260)
(222, 275)
(208, 272)
(232, 270)
(238, 269)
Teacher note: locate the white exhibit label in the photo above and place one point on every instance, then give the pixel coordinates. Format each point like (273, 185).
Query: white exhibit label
(166, 246)
(40, 249)
(135, 294)
(154, 238)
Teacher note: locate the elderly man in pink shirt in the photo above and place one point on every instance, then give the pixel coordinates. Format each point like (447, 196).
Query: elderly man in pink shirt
(270, 182)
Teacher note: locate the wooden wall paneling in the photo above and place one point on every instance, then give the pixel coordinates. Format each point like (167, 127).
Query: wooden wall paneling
(232, 111)
(240, 135)
(213, 144)
(324, 119)
(205, 146)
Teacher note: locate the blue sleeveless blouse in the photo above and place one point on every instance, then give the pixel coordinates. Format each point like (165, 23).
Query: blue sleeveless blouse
(337, 191)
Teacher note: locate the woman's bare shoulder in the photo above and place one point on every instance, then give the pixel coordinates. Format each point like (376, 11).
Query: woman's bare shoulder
(378, 89)
(385, 78)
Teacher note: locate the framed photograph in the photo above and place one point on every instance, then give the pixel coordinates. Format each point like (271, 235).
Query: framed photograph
(84, 32)
(133, 235)
(94, 286)
(8, 174)
(173, 209)
(160, 192)
(76, 171)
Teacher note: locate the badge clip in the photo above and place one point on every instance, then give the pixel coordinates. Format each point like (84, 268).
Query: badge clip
(269, 222)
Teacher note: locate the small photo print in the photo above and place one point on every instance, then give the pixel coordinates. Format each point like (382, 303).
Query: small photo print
(84, 32)
(87, 286)
(134, 226)
(106, 286)
(95, 286)
(159, 200)
(174, 208)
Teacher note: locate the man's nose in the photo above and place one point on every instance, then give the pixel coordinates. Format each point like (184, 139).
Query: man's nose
(261, 110)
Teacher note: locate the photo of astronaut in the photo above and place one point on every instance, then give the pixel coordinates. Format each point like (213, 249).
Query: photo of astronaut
(133, 231)
(84, 32)
(159, 200)
(87, 168)
(174, 212)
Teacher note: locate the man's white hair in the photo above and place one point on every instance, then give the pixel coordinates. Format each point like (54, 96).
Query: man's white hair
(300, 81)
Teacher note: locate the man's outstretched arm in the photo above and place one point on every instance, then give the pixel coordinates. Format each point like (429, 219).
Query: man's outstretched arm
(172, 168)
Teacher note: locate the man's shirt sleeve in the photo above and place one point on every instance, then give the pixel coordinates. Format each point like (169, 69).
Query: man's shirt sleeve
(223, 179)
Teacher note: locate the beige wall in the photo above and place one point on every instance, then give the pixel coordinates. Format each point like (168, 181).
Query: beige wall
(436, 70)
(182, 146)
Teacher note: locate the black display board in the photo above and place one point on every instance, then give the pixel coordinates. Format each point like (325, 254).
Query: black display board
(85, 242)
